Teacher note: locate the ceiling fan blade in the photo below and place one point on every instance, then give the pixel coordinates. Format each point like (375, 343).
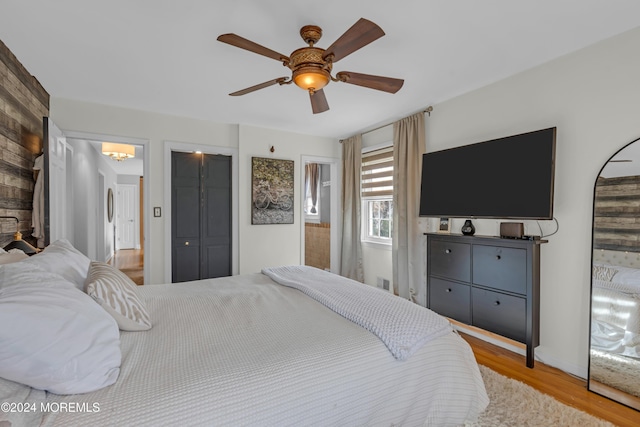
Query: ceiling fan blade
(242, 43)
(318, 101)
(279, 80)
(386, 84)
(359, 35)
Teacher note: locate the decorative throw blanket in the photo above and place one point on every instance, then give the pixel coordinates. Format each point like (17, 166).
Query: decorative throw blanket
(401, 325)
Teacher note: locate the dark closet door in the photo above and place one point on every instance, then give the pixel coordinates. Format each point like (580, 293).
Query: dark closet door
(216, 217)
(200, 216)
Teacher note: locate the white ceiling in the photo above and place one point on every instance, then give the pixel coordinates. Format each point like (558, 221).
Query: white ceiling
(162, 55)
(134, 166)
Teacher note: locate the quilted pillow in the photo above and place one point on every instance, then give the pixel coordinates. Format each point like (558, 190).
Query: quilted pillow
(601, 272)
(118, 295)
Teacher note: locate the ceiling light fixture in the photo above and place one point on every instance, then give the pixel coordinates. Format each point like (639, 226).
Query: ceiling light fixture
(118, 152)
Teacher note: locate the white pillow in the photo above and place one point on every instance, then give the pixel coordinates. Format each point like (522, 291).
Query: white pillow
(9, 257)
(626, 275)
(52, 336)
(62, 258)
(118, 295)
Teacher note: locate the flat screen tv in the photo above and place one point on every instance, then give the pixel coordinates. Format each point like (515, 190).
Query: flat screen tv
(509, 177)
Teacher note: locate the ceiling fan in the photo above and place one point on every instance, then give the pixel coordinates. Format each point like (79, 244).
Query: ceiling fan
(311, 66)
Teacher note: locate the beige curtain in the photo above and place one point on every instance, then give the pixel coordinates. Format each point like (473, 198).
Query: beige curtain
(351, 257)
(311, 177)
(408, 248)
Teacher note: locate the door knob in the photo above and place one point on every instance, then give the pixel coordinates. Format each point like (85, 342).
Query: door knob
(186, 243)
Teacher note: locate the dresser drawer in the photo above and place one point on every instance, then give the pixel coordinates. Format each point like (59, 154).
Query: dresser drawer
(450, 299)
(500, 313)
(450, 260)
(500, 268)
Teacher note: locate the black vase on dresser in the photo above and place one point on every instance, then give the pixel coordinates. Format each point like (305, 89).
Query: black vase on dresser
(468, 229)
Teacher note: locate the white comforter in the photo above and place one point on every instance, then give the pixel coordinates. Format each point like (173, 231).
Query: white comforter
(244, 351)
(403, 326)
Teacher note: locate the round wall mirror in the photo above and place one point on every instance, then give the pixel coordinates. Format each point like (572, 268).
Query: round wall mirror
(110, 205)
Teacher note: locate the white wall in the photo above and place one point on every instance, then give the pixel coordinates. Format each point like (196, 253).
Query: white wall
(269, 245)
(259, 244)
(593, 97)
(86, 164)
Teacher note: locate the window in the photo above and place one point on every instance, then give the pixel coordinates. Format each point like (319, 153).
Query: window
(377, 193)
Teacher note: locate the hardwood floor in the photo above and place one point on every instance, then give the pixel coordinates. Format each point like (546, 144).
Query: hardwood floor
(131, 263)
(568, 389)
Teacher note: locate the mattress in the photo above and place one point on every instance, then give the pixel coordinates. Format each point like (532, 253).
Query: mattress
(245, 351)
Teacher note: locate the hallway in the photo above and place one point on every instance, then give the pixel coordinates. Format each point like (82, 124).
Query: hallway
(131, 263)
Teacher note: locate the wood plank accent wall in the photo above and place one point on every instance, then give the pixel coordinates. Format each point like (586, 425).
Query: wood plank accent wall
(23, 104)
(617, 214)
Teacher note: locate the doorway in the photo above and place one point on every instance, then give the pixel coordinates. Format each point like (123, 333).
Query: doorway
(95, 175)
(320, 207)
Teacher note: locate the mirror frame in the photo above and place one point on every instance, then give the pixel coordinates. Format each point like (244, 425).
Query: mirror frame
(592, 385)
(110, 204)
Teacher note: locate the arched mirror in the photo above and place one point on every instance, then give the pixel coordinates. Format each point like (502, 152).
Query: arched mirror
(614, 353)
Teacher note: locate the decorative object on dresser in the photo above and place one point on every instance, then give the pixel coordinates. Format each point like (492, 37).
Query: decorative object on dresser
(512, 230)
(444, 225)
(468, 229)
(487, 282)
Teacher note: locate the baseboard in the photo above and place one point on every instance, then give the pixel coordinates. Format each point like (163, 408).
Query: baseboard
(519, 348)
(490, 337)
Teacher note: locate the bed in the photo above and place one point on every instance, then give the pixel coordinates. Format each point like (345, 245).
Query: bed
(249, 350)
(615, 326)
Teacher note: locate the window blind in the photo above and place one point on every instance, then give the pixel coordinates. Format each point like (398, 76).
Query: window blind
(377, 173)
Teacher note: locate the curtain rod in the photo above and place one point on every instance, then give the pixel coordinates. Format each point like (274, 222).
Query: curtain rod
(427, 110)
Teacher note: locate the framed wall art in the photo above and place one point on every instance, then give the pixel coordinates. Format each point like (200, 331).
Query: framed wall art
(271, 191)
(444, 225)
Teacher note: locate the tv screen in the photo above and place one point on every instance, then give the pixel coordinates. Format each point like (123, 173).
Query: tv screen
(509, 177)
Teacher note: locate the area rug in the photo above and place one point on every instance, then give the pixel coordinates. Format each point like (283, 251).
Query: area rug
(619, 372)
(515, 404)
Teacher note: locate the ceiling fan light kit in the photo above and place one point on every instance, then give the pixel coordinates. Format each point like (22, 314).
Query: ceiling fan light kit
(311, 66)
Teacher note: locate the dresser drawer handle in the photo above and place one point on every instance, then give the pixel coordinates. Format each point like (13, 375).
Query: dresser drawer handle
(447, 251)
(498, 257)
(496, 303)
(448, 289)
